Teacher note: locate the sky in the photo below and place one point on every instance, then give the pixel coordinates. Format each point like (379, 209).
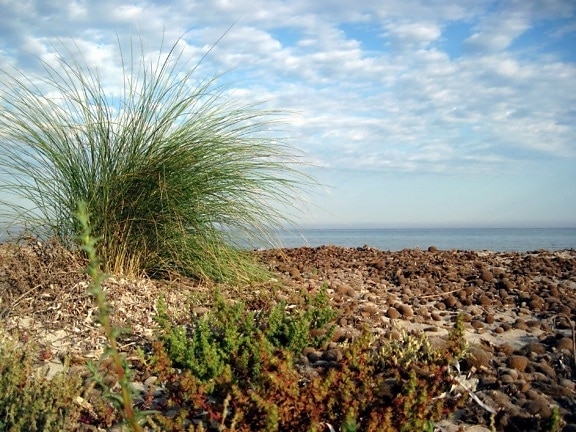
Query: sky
(410, 113)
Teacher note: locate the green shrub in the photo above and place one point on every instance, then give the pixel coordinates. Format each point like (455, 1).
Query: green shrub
(169, 166)
(365, 391)
(242, 371)
(232, 335)
(28, 400)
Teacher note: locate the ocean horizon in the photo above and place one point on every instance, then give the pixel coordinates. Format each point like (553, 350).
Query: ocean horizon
(396, 239)
(390, 239)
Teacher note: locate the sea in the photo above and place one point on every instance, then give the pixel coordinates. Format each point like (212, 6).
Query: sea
(475, 239)
(388, 239)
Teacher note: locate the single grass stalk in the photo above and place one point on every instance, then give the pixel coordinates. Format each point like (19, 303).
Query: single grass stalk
(168, 165)
(87, 244)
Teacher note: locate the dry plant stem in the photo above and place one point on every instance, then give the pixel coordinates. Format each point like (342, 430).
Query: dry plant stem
(442, 293)
(87, 244)
(6, 310)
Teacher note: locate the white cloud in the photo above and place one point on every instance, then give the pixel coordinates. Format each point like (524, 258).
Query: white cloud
(497, 33)
(410, 35)
(391, 97)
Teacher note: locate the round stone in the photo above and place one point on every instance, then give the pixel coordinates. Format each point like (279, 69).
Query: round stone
(436, 316)
(477, 324)
(564, 343)
(486, 275)
(332, 355)
(450, 301)
(393, 313)
(518, 362)
(478, 357)
(405, 310)
(540, 407)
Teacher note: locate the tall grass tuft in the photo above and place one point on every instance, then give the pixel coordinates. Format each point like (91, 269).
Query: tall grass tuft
(168, 164)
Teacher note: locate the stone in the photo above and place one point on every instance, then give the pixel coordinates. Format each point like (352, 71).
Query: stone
(393, 313)
(477, 324)
(332, 355)
(540, 407)
(518, 362)
(520, 324)
(339, 335)
(450, 301)
(405, 310)
(485, 300)
(478, 357)
(564, 343)
(533, 347)
(486, 275)
(369, 309)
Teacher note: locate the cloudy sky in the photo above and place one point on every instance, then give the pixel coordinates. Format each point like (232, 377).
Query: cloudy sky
(414, 113)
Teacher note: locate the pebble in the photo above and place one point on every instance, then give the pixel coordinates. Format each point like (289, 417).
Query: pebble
(393, 313)
(332, 355)
(533, 347)
(486, 275)
(478, 357)
(540, 407)
(436, 316)
(518, 362)
(477, 324)
(520, 324)
(564, 343)
(405, 310)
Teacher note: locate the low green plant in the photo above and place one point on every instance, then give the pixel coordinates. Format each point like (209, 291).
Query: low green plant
(173, 171)
(29, 401)
(555, 422)
(232, 335)
(365, 391)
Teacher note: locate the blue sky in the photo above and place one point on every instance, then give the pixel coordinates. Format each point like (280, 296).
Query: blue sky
(426, 113)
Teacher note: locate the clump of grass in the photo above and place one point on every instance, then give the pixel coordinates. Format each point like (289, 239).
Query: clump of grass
(168, 165)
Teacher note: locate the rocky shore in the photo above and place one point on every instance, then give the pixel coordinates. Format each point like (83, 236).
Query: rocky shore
(518, 311)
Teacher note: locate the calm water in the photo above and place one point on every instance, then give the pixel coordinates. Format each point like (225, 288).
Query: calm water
(493, 239)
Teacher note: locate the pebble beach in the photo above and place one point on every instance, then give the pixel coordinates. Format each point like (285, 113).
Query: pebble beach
(518, 310)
